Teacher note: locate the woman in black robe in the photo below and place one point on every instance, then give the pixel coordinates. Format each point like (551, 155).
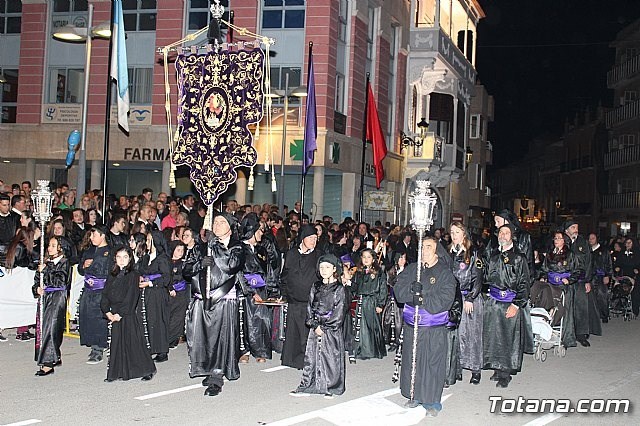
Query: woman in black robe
(154, 282)
(324, 359)
(392, 314)
(128, 354)
(178, 295)
(433, 296)
(370, 289)
(55, 275)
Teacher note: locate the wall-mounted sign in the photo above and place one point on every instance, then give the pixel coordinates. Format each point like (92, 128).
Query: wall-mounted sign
(379, 200)
(61, 113)
(139, 115)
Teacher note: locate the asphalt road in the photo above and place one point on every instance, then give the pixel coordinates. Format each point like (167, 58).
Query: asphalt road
(76, 393)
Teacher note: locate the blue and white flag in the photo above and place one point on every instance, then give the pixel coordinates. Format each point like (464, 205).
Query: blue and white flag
(119, 70)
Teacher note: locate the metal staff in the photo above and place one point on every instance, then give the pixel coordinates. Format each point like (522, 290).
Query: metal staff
(41, 197)
(422, 203)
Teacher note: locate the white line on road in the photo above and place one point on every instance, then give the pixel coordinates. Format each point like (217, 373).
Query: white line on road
(272, 369)
(168, 392)
(24, 422)
(544, 420)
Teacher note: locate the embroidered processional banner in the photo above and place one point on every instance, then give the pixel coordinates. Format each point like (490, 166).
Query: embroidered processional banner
(220, 95)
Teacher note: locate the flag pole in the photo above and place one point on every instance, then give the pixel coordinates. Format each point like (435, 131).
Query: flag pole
(304, 160)
(107, 124)
(364, 147)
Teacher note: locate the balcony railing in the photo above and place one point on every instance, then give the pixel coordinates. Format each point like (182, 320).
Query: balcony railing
(623, 71)
(621, 158)
(627, 200)
(623, 113)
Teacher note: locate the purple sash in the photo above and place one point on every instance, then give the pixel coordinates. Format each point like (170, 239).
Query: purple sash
(502, 295)
(556, 278)
(255, 280)
(324, 316)
(151, 277)
(464, 292)
(180, 285)
(53, 289)
(600, 272)
(425, 319)
(94, 283)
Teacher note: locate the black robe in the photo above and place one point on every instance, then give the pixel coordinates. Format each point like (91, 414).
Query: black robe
(370, 292)
(257, 316)
(468, 273)
(602, 268)
(324, 360)
(156, 302)
(177, 304)
(128, 354)
(585, 312)
(54, 305)
(298, 275)
(392, 313)
(92, 323)
(438, 290)
(505, 340)
(213, 329)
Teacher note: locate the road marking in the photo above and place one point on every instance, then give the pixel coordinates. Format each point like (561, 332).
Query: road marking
(365, 411)
(544, 420)
(168, 392)
(272, 369)
(25, 422)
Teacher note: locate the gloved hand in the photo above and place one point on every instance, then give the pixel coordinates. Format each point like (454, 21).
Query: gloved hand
(416, 287)
(206, 261)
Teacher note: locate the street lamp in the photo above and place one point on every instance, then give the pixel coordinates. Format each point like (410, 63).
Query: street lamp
(468, 154)
(418, 140)
(422, 202)
(300, 92)
(72, 34)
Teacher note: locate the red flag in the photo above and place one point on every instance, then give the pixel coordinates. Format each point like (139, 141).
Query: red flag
(376, 136)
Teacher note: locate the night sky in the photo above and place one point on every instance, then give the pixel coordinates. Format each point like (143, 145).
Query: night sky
(543, 61)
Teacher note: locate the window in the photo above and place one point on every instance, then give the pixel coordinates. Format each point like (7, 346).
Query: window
(370, 33)
(139, 15)
(283, 14)
(70, 5)
(8, 96)
(624, 185)
(340, 93)
(66, 85)
(199, 13)
(278, 77)
(10, 16)
(630, 96)
(343, 19)
(474, 127)
(140, 85)
(626, 141)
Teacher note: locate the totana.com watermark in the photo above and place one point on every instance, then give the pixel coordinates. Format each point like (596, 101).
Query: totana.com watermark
(523, 405)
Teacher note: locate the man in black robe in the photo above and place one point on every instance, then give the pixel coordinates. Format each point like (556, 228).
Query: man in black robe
(298, 275)
(602, 273)
(506, 325)
(433, 295)
(585, 314)
(521, 238)
(213, 325)
(95, 265)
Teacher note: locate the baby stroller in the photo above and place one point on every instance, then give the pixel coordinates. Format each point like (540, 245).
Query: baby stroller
(620, 301)
(547, 327)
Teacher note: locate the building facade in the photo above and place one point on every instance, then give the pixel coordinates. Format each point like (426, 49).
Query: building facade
(621, 201)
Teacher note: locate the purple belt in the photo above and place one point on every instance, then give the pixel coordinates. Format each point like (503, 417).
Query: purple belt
(464, 292)
(151, 277)
(53, 289)
(600, 272)
(325, 315)
(556, 278)
(502, 295)
(94, 283)
(425, 319)
(180, 285)
(255, 280)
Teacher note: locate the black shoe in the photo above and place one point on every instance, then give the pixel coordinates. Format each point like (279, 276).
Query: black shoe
(411, 404)
(205, 381)
(41, 372)
(352, 360)
(23, 337)
(58, 363)
(213, 390)
(30, 334)
(584, 342)
(503, 382)
(605, 320)
(147, 377)
(475, 378)
(109, 380)
(161, 358)
(495, 377)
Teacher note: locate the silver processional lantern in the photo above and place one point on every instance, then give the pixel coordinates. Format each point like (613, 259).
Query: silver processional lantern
(422, 202)
(42, 198)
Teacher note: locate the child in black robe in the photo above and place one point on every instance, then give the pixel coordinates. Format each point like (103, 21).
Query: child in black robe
(324, 359)
(129, 357)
